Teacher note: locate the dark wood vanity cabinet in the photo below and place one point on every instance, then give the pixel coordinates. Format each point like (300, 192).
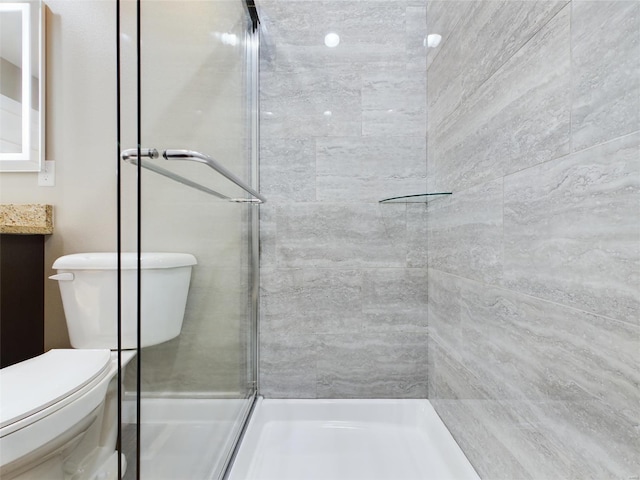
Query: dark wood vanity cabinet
(21, 297)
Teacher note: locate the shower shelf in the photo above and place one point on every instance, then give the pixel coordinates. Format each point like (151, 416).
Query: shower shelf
(419, 198)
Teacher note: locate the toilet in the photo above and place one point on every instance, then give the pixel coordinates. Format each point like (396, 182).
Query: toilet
(58, 411)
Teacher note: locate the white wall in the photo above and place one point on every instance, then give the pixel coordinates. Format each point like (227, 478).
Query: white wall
(80, 138)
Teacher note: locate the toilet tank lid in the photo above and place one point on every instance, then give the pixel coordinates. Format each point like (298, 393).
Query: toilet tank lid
(129, 261)
(35, 384)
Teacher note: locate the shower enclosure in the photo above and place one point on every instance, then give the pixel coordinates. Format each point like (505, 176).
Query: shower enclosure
(187, 164)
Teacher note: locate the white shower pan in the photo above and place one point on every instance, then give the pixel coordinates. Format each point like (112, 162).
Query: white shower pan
(348, 440)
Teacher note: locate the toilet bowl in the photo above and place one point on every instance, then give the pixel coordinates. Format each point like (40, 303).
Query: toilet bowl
(58, 411)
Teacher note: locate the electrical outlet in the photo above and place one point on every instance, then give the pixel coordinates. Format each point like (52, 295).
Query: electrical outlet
(47, 177)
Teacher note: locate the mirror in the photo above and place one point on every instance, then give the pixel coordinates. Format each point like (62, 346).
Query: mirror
(21, 86)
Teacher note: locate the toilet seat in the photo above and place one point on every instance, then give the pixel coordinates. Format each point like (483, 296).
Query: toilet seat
(41, 384)
(34, 394)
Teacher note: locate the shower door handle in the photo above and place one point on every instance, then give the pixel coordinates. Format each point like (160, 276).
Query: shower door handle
(214, 164)
(130, 155)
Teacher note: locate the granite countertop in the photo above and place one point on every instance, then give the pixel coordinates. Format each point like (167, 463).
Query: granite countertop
(28, 219)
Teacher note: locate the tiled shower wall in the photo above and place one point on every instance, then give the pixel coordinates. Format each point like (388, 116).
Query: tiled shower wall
(343, 294)
(534, 278)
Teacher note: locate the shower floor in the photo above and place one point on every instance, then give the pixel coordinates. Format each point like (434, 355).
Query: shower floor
(348, 440)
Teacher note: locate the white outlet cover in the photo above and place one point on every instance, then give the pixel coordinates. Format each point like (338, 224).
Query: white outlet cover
(47, 177)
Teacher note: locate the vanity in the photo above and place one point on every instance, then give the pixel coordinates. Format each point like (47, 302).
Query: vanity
(23, 229)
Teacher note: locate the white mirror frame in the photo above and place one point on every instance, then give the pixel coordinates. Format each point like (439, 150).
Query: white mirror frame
(25, 161)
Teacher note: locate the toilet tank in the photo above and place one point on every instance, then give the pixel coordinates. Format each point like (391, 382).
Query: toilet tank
(89, 286)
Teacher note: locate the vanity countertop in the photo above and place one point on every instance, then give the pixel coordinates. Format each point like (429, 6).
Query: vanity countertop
(27, 219)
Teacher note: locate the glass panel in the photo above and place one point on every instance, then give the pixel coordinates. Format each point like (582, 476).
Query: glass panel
(189, 390)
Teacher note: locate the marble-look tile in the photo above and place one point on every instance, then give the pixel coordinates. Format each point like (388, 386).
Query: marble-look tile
(403, 122)
(523, 347)
(287, 169)
(572, 230)
(357, 169)
(473, 52)
(416, 235)
(596, 441)
(444, 311)
(268, 235)
(368, 365)
(480, 427)
(387, 90)
(519, 117)
(311, 102)
(311, 300)
(341, 235)
(448, 378)
(442, 18)
(369, 32)
(395, 299)
(465, 233)
(287, 365)
(416, 31)
(605, 49)
(394, 103)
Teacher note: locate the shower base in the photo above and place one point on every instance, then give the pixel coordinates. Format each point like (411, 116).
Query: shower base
(348, 440)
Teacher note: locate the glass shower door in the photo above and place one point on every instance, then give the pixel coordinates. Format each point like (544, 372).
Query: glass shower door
(188, 99)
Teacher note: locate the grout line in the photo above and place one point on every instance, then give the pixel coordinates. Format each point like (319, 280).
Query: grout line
(463, 101)
(499, 287)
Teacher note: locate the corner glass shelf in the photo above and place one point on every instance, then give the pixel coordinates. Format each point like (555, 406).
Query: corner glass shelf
(419, 198)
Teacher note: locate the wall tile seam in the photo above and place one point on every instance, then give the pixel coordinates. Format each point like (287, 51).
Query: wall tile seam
(500, 67)
(502, 287)
(505, 176)
(480, 386)
(577, 152)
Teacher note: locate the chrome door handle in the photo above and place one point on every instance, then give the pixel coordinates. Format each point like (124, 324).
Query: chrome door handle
(131, 154)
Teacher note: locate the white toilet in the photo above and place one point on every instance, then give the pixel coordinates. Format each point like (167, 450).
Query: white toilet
(58, 411)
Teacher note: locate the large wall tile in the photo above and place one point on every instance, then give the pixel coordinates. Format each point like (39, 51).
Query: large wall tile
(450, 379)
(340, 235)
(395, 299)
(361, 108)
(605, 41)
(473, 52)
(523, 347)
(416, 30)
(444, 311)
(357, 169)
(370, 32)
(394, 103)
(484, 429)
(384, 365)
(311, 300)
(531, 90)
(465, 233)
(442, 18)
(534, 349)
(572, 230)
(416, 215)
(597, 442)
(310, 102)
(288, 169)
(268, 235)
(287, 365)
